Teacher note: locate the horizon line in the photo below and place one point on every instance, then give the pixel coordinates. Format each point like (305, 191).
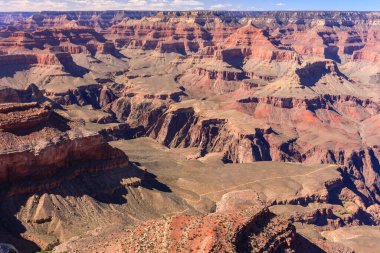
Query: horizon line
(195, 10)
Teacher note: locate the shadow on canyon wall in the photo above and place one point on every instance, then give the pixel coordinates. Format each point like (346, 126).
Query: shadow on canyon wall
(103, 187)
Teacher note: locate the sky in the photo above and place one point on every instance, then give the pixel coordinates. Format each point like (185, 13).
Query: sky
(234, 5)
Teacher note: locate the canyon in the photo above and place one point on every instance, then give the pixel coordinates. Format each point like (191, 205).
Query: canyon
(194, 131)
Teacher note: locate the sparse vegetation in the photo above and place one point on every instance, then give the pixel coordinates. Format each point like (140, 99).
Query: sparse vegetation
(342, 212)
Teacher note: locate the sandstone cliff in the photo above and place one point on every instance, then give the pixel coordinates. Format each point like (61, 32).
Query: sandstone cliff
(32, 136)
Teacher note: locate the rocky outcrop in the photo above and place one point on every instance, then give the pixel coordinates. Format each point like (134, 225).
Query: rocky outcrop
(184, 128)
(35, 135)
(30, 94)
(215, 74)
(10, 120)
(255, 229)
(84, 95)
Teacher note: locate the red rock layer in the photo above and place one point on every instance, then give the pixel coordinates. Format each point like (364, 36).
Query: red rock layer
(38, 143)
(72, 40)
(174, 36)
(35, 59)
(371, 50)
(251, 230)
(254, 42)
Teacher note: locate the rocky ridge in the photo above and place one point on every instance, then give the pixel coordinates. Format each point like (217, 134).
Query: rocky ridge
(230, 232)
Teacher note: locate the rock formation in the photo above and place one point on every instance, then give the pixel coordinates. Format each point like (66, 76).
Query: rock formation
(251, 230)
(31, 136)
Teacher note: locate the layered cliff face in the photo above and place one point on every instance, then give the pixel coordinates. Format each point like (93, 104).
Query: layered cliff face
(98, 20)
(72, 55)
(75, 39)
(32, 136)
(179, 35)
(256, 43)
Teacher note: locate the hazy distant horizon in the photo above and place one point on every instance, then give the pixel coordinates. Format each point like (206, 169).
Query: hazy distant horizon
(187, 5)
(204, 10)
